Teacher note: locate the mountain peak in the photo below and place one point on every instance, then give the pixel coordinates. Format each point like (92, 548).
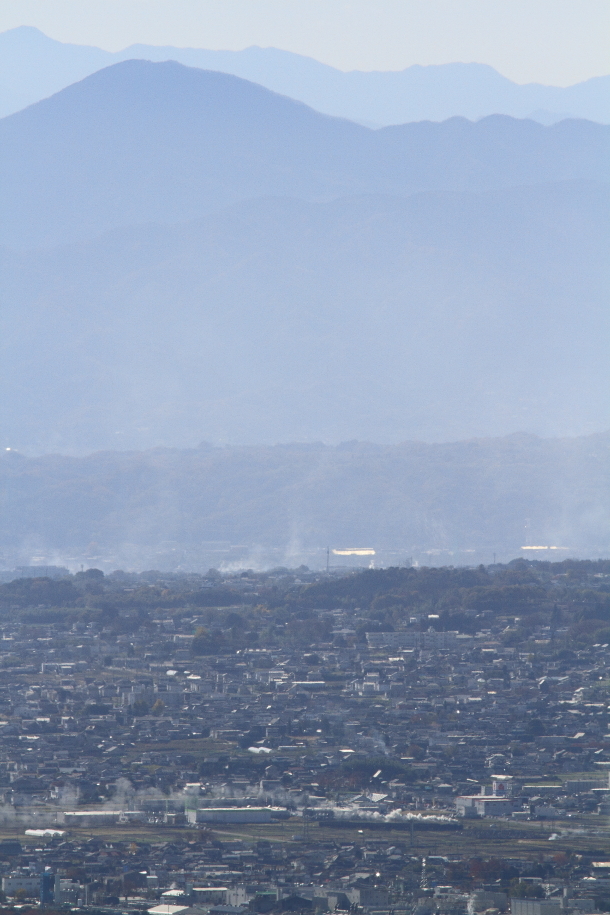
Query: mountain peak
(143, 141)
(33, 66)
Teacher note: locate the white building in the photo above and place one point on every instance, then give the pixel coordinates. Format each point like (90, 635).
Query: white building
(483, 805)
(432, 640)
(236, 814)
(29, 885)
(535, 907)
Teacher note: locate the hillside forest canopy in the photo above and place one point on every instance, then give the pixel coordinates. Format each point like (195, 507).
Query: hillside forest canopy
(569, 601)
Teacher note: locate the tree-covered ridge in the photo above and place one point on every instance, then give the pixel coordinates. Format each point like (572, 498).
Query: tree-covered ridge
(568, 602)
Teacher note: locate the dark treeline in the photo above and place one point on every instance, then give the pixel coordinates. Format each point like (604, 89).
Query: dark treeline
(571, 599)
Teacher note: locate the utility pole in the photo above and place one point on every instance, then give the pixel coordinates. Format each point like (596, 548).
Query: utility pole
(423, 885)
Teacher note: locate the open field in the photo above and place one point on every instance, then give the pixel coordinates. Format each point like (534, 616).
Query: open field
(488, 838)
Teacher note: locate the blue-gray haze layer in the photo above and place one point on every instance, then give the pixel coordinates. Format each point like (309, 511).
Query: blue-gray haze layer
(224, 263)
(456, 503)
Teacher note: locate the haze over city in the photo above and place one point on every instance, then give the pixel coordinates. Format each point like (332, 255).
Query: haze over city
(304, 457)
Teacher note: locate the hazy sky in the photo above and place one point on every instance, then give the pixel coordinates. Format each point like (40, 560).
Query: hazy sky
(556, 42)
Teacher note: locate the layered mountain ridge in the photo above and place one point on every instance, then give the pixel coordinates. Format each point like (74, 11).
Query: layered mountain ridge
(160, 142)
(34, 66)
(224, 263)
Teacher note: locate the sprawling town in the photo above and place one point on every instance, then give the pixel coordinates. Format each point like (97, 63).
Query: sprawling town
(402, 740)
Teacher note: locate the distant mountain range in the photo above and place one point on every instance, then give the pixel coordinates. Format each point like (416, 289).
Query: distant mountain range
(141, 142)
(224, 263)
(33, 66)
(450, 504)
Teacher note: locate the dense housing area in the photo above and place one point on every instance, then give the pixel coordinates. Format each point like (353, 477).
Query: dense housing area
(400, 740)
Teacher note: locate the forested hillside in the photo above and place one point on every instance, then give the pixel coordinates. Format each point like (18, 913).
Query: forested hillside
(565, 603)
(170, 509)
